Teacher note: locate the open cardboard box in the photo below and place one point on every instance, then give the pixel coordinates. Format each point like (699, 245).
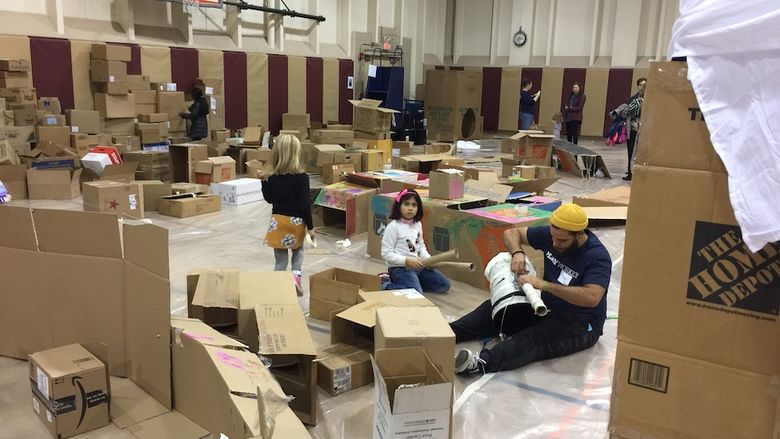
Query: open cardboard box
(343, 205)
(336, 289)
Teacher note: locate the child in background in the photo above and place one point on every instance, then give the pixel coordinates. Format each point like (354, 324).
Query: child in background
(286, 187)
(557, 122)
(403, 248)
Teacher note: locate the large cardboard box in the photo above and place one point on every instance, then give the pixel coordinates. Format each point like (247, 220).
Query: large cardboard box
(171, 102)
(55, 134)
(125, 292)
(411, 395)
(146, 97)
(15, 65)
(184, 158)
(210, 86)
(336, 289)
(125, 199)
(152, 191)
(213, 296)
(119, 127)
(446, 184)
(112, 88)
(84, 121)
(300, 122)
(372, 159)
(8, 155)
(343, 206)
(334, 137)
(112, 52)
(342, 367)
(215, 170)
(53, 184)
(138, 82)
(114, 106)
(14, 177)
(370, 117)
(453, 101)
(70, 390)
(223, 387)
(253, 135)
(187, 205)
(335, 173)
(530, 148)
(240, 191)
(24, 113)
(108, 72)
(152, 117)
(417, 326)
(356, 323)
(14, 81)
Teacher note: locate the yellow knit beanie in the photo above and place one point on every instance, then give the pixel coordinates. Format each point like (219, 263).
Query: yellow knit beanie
(569, 217)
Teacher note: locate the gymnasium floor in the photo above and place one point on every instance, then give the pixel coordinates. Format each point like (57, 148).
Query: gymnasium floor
(562, 398)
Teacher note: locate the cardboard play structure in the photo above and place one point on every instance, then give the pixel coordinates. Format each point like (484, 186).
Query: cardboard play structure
(453, 101)
(342, 206)
(579, 161)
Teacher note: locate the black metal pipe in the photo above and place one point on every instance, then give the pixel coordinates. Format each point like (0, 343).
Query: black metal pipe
(244, 5)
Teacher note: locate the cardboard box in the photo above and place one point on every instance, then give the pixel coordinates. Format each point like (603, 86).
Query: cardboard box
(80, 144)
(424, 408)
(53, 184)
(446, 183)
(530, 148)
(336, 289)
(108, 71)
(52, 120)
(240, 191)
(423, 163)
(344, 206)
(84, 121)
(138, 82)
(299, 123)
(8, 155)
(54, 134)
(99, 157)
(617, 196)
(19, 95)
(110, 52)
(184, 158)
(115, 107)
(210, 370)
(335, 137)
(210, 86)
(171, 102)
(145, 97)
(122, 172)
(259, 154)
(215, 170)
(372, 159)
(213, 296)
(148, 160)
(51, 105)
(382, 135)
(153, 117)
(370, 117)
(253, 167)
(386, 146)
(220, 135)
(14, 177)
(342, 367)
(189, 188)
(70, 389)
(357, 322)
(24, 114)
(164, 86)
(152, 191)
(185, 206)
(15, 65)
(14, 82)
(335, 173)
(112, 88)
(325, 154)
(124, 199)
(453, 101)
(253, 135)
(417, 326)
(328, 155)
(403, 147)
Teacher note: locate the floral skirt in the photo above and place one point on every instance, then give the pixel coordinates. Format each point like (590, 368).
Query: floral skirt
(285, 232)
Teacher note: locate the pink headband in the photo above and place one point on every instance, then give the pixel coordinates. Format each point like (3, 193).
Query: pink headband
(401, 195)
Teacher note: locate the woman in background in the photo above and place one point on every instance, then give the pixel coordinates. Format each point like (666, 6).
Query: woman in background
(573, 111)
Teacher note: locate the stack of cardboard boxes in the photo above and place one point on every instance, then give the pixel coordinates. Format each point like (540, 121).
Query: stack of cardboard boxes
(108, 72)
(372, 125)
(213, 92)
(172, 103)
(18, 104)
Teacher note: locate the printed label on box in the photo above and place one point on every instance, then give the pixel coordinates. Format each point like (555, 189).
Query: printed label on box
(51, 120)
(49, 416)
(170, 86)
(648, 375)
(43, 382)
(36, 406)
(342, 380)
(111, 78)
(133, 201)
(213, 103)
(74, 129)
(209, 90)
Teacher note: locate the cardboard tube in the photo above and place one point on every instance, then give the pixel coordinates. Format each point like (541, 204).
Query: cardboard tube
(535, 300)
(448, 256)
(459, 266)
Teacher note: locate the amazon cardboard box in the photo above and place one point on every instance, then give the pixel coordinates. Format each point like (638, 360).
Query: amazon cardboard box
(115, 106)
(453, 101)
(342, 367)
(125, 199)
(70, 389)
(336, 289)
(215, 170)
(411, 395)
(84, 121)
(111, 52)
(187, 205)
(53, 184)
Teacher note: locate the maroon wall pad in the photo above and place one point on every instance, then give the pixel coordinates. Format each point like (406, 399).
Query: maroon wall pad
(277, 91)
(235, 90)
(491, 96)
(618, 91)
(184, 67)
(534, 74)
(314, 79)
(346, 69)
(570, 76)
(52, 69)
(134, 66)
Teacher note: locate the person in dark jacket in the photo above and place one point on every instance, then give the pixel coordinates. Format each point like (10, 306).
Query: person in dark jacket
(199, 126)
(527, 103)
(632, 114)
(573, 110)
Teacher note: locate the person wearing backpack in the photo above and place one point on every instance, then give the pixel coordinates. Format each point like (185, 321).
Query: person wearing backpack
(632, 113)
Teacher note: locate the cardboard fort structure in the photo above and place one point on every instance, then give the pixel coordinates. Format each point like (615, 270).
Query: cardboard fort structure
(579, 161)
(344, 206)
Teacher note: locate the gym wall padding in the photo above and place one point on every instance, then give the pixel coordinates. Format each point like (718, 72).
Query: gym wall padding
(278, 81)
(257, 89)
(619, 89)
(55, 77)
(156, 63)
(235, 85)
(509, 106)
(550, 100)
(331, 91)
(346, 69)
(314, 91)
(82, 86)
(296, 84)
(184, 67)
(491, 95)
(596, 83)
(534, 74)
(211, 65)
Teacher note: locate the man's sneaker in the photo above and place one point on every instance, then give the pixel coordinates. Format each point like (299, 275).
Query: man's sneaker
(467, 362)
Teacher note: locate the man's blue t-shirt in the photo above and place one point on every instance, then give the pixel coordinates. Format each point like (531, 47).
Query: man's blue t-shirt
(589, 264)
(527, 102)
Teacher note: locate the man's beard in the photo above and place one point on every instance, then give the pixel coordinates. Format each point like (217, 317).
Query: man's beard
(570, 249)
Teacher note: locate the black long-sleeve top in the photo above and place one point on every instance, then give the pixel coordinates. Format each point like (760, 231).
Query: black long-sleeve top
(289, 194)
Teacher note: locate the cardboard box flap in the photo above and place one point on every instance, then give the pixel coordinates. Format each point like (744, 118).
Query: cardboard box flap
(217, 288)
(403, 298)
(203, 167)
(619, 213)
(259, 288)
(130, 404)
(58, 362)
(617, 196)
(63, 231)
(202, 333)
(171, 425)
(146, 246)
(537, 186)
(371, 104)
(540, 136)
(17, 230)
(283, 331)
(487, 189)
(413, 322)
(427, 398)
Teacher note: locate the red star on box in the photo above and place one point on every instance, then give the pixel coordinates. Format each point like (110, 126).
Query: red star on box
(113, 204)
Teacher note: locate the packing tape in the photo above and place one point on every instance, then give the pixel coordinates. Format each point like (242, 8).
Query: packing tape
(468, 391)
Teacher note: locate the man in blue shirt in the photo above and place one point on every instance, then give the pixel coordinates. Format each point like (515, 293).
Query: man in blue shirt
(527, 102)
(577, 270)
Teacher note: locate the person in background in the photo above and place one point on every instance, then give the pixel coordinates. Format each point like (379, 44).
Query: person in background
(577, 271)
(573, 109)
(403, 248)
(527, 102)
(286, 187)
(199, 126)
(632, 115)
(557, 120)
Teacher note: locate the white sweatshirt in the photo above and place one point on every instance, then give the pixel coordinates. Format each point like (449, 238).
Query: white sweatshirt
(401, 240)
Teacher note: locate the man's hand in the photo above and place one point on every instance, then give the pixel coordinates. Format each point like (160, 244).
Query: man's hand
(528, 279)
(414, 264)
(518, 263)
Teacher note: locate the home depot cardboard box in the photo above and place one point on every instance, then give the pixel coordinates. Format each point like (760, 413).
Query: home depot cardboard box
(417, 326)
(70, 390)
(108, 72)
(14, 177)
(531, 148)
(53, 184)
(411, 395)
(336, 289)
(342, 367)
(453, 101)
(115, 106)
(84, 121)
(152, 191)
(446, 183)
(240, 191)
(215, 170)
(125, 199)
(111, 52)
(184, 158)
(370, 116)
(187, 205)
